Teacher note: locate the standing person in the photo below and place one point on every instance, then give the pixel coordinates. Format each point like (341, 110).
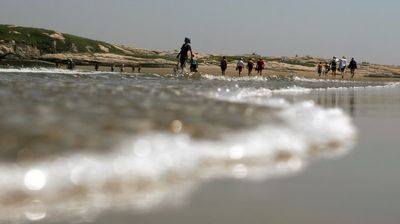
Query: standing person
(342, 65)
(193, 63)
(70, 64)
(240, 66)
(352, 67)
(139, 68)
(250, 66)
(112, 68)
(334, 66)
(260, 66)
(133, 67)
(224, 65)
(96, 66)
(121, 69)
(183, 54)
(327, 68)
(319, 69)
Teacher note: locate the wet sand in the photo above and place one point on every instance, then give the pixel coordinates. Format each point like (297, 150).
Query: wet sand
(231, 72)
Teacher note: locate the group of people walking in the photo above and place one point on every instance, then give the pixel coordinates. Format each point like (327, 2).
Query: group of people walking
(186, 48)
(334, 65)
(339, 65)
(240, 65)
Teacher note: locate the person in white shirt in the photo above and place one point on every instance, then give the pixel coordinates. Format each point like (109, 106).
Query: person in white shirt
(240, 66)
(342, 65)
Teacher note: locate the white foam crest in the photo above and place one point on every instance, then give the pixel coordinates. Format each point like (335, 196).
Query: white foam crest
(149, 170)
(303, 79)
(235, 78)
(259, 96)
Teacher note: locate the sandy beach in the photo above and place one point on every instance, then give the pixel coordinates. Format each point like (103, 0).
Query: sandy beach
(271, 70)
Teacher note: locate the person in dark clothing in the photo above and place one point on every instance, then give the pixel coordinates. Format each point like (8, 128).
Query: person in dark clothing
(250, 66)
(183, 54)
(96, 66)
(352, 66)
(334, 66)
(112, 68)
(70, 64)
(224, 65)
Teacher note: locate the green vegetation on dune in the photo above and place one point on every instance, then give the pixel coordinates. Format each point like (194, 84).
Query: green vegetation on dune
(51, 42)
(41, 38)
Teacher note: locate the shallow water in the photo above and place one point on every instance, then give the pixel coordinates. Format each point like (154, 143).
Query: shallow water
(85, 146)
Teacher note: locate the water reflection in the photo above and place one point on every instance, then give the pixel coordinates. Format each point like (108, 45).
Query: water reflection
(35, 211)
(81, 187)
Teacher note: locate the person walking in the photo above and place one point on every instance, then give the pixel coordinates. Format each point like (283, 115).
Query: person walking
(352, 67)
(96, 66)
(240, 66)
(260, 66)
(183, 54)
(319, 69)
(342, 65)
(193, 63)
(223, 65)
(333, 66)
(327, 68)
(250, 66)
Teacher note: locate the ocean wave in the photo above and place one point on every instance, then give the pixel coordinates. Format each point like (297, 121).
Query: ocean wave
(155, 169)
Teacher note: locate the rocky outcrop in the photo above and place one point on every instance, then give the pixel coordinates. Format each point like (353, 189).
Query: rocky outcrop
(11, 49)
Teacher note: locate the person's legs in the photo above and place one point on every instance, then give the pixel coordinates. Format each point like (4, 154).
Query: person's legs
(183, 62)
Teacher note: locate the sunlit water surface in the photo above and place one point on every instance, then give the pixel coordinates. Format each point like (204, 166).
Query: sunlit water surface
(75, 145)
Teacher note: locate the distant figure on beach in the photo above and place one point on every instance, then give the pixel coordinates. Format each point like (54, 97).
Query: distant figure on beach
(333, 66)
(139, 68)
(121, 68)
(57, 65)
(319, 69)
(96, 66)
(193, 63)
(133, 68)
(70, 64)
(342, 65)
(183, 54)
(224, 65)
(327, 68)
(112, 68)
(240, 66)
(260, 66)
(352, 67)
(250, 66)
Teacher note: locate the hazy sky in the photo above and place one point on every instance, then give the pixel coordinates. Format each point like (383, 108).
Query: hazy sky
(366, 29)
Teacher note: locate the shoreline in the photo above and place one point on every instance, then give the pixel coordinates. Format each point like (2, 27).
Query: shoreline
(214, 70)
(270, 71)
